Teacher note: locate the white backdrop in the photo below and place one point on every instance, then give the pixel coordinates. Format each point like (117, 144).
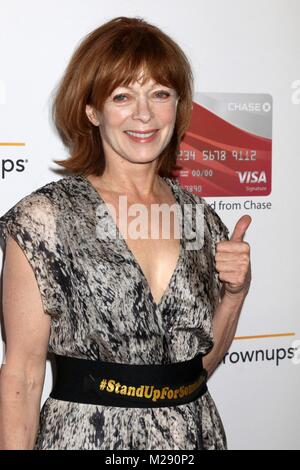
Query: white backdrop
(248, 47)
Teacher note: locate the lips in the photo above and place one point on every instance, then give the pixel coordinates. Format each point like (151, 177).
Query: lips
(146, 131)
(142, 137)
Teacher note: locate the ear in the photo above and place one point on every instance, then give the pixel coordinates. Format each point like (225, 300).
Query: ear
(92, 115)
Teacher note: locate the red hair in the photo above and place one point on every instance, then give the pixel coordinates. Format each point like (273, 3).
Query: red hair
(110, 56)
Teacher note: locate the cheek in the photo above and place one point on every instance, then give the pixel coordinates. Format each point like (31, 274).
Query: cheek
(114, 118)
(168, 114)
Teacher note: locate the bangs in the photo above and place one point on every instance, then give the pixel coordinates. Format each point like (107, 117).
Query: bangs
(135, 56)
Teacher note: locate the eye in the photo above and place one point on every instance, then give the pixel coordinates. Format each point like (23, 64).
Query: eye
(162, 94)
(115, 98)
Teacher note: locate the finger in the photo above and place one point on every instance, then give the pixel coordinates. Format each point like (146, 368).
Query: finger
(230, 268)
(231, 256)
(232, 277)
(230, 246)
(240, 228)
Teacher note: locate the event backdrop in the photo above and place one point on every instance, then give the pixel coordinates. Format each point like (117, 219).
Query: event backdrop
(241, 153)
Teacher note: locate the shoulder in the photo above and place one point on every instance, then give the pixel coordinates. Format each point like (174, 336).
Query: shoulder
(51, 191)
(36, 208)
(44, 196)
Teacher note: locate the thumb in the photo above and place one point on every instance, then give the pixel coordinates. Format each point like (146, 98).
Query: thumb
(240, 228)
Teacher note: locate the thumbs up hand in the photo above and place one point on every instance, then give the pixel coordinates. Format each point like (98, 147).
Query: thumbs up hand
(233, 259)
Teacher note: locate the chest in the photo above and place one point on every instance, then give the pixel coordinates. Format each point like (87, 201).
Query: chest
(151, 234)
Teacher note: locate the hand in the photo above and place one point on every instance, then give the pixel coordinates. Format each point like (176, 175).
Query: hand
(233, 259)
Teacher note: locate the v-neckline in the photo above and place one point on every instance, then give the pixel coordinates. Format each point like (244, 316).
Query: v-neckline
(158, 304)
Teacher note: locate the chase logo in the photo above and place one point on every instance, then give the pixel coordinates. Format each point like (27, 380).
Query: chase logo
(266, 107)
(250, 107)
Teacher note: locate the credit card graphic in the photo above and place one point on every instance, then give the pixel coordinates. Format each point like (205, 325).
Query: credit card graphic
(227, 150)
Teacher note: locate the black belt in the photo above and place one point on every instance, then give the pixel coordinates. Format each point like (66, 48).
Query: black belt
(128, 385)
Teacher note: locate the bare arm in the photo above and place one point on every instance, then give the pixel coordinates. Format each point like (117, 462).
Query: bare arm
(234, 271)
(225, 321)
(27, 330)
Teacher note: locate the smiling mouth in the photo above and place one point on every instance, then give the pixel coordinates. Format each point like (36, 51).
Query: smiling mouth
(142, 135)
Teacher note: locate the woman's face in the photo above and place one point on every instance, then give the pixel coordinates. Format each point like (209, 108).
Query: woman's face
(149, 109)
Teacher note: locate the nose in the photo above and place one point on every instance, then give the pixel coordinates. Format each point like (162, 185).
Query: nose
(142, 110)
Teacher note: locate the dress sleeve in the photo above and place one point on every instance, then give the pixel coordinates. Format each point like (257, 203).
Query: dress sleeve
(218, 232)
(31, 222)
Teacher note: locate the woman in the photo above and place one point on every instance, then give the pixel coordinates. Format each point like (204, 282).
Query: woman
(135, 326)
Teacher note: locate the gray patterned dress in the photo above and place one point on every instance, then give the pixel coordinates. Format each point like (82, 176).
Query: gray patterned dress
(102, 308)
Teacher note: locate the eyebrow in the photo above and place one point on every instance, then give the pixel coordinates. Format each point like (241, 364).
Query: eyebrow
(130, 87)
